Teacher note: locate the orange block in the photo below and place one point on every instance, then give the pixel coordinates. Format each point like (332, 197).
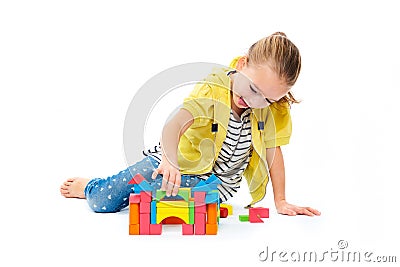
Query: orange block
(134, 229)
(134, 213)
(211, 229)
(212, 213)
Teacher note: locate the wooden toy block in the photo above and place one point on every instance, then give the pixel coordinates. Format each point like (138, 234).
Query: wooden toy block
(173, 204)
(183, 193)
(187, 229)
(143, 186)
(255, 214)
(191, 215)
(262, 212)
(212, 197)
(223, 212)
(134, 229)
(144, 207)
(155, 229)
(244, 218)
(183, 216)
(229, 207)
(134, 198)
(144, 226)
(145, 196)
(212, 213)
(211, 229)
(153, 212)
(172, 220)
(172, 210)
(134, 213)
(200, 208)
(137, 179)
(199, 197)
(200, 223)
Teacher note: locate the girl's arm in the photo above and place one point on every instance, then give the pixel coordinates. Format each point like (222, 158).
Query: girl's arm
(171, 134)
(277, 173)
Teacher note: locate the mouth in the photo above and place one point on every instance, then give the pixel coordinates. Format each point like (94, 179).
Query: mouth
(242, 102)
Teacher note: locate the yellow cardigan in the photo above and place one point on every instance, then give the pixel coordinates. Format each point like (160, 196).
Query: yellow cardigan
(210, 103)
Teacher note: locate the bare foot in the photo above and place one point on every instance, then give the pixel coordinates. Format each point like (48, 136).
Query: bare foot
(74, 187)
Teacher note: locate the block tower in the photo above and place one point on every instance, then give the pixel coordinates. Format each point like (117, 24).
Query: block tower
(196, 208)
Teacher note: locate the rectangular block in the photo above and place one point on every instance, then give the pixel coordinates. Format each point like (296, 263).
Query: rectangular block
(134, 213)
(172, 204)
(134, 229)
(144, 226)
(212, 213)
(155, 229)
(223, 212)
(183, 210)
(211, 229)
(212, 197)
(244, 218)
(187, 229)
(134, 198)
(200, 223)
(191, 215)
(262, 212)
(256, 213)
(200, 208)
(153, 209)
(199, 197)
(144, 207)
(145, 196)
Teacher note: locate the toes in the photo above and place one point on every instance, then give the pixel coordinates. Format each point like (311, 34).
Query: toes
(71, 179)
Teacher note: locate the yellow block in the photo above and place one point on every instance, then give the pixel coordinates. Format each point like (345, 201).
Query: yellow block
(162, 216)
(173, 210)
(172, 204)
(229, 207)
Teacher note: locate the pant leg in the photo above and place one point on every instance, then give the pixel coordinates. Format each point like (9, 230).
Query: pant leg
(111, 194)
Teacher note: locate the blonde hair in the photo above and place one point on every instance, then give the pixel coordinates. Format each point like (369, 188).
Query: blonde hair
(282, 56)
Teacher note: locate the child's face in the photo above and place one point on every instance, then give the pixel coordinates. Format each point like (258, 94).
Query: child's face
(256, 86)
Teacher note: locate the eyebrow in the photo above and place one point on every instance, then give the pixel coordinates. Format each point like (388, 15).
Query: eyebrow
(254, 87)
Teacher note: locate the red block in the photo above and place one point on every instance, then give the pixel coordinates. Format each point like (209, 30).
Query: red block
(155, 229)
(145, 196)
(199, 197)
(187, 229)
(223, 212)
(255, 214)
(200, 223)
(134, 198)
(200, 208)
(144, 207)
(144, 224)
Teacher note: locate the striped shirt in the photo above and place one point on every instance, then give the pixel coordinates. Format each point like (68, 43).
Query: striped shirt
(233, 158)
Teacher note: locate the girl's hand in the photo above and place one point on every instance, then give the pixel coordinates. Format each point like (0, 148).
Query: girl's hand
(288, 209)
(171, 177)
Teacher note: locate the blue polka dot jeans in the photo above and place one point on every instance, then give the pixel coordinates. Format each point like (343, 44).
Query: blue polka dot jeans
(111, 194)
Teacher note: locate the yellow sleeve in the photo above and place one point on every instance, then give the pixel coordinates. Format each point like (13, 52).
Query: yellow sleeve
(278, 128)
(199, 103)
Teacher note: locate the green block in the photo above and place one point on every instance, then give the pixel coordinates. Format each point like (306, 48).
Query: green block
(191, 214)
(244, 218)
(160, 194)
(183, 193)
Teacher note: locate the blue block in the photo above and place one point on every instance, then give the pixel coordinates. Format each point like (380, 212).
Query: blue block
(153, 212)
(143, 186)
(212, 198)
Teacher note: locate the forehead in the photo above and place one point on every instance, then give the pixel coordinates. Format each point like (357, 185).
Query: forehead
(267, 80)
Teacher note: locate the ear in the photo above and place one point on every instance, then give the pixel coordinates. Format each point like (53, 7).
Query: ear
(242, 63)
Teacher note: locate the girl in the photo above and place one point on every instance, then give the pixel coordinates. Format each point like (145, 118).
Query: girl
(231, 125)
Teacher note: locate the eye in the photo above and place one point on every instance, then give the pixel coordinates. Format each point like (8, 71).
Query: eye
(252, 89)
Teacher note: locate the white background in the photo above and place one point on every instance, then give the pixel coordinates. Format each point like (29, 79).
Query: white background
(69, 69)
